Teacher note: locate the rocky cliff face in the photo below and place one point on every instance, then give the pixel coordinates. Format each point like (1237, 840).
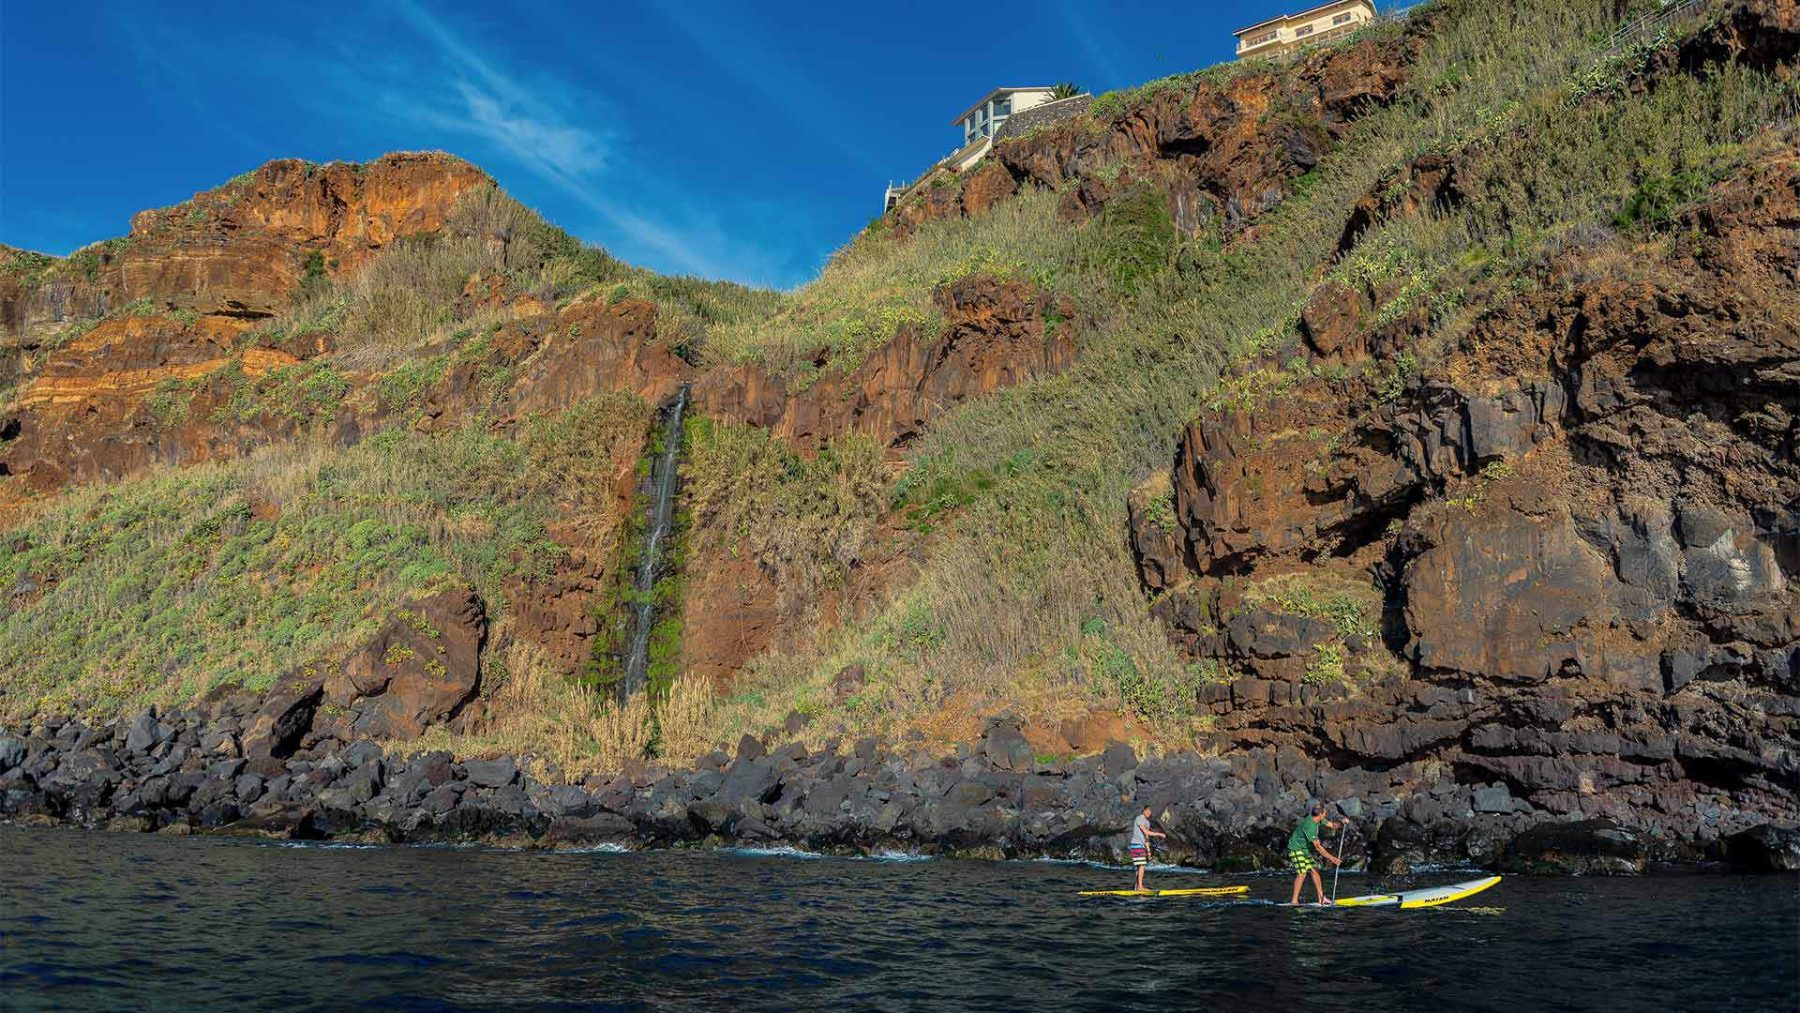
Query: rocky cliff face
(170, 303)
(1226, 144)
(996, 333)
(242, 250)
(186, 373)
(1528, 560)
(1554, 559)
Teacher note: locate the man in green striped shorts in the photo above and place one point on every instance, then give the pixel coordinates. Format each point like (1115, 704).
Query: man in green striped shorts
(1302, 844)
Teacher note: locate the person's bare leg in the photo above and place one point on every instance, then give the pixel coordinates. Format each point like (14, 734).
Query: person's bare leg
(1318, 885)
(1140, 885)
(1299, 878)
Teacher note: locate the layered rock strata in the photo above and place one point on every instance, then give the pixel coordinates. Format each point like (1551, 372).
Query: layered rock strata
(1555, 557)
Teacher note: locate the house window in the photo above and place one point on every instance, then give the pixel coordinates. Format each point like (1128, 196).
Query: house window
(1342, 19)
(1257, 40)
(1303, 30)
(1002, 108)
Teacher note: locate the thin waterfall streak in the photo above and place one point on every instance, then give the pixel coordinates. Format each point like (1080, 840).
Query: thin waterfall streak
(662, 518)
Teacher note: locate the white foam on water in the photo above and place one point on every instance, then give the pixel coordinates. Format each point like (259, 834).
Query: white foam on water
(603, 848)
(1089, 863)
(894, 856)
(323, 845)
(1436, 869)
(778, 851)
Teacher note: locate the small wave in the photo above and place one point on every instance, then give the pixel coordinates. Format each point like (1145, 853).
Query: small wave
(777, 851)
(603, 848)
(322, 845)
(1089, 863)
(896, 856)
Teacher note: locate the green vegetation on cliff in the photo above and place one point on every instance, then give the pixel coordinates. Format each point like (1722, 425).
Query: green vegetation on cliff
(1035, 553)
(235, 572)
(1015, 584)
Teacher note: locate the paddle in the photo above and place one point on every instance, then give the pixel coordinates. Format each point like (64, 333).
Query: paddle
(1339, 867)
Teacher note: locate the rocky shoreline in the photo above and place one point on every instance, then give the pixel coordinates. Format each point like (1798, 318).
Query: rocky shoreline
(259, 773)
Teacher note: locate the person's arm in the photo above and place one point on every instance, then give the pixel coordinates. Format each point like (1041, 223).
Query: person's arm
(1319, 846)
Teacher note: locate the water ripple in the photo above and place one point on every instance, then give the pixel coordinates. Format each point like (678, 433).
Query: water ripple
(107, 921)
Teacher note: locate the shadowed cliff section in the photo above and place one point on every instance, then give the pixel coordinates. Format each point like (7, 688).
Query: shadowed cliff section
(1555, 553)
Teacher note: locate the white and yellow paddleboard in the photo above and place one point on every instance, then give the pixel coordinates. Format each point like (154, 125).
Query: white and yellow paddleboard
(1198, 891)
(1429, 897)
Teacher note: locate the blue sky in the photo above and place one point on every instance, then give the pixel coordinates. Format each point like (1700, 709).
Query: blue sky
(742, 141)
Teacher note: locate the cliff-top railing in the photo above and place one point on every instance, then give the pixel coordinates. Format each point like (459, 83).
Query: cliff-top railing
(1652, 24)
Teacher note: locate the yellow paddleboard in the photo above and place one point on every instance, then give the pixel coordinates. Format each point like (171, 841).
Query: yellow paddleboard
(1430, 897)
(1198, 891)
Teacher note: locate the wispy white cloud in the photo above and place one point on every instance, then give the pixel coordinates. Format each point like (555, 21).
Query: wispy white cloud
(532, 123)
(442, 87)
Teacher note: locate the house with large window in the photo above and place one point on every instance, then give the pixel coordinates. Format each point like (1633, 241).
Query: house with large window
(979, 122)
(980, 125)
(1284, 34)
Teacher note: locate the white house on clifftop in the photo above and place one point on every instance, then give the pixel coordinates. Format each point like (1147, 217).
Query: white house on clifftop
(981, 123)
(981, 120)
(1288, 32)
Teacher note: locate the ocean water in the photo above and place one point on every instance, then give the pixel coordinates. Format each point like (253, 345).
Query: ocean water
(114, 921)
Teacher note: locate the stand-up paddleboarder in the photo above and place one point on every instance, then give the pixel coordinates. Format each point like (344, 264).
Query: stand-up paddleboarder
(1303, 843)
(1140, 844)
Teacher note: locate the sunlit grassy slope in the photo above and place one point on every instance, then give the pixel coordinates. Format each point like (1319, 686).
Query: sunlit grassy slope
(1024, 594)
(1028, 594)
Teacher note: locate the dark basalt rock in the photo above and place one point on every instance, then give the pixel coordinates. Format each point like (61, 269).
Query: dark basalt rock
(1767, 848)
(286, 714)
(491, 773)
(1571, 531)
(1225, 812)
(1597, 847)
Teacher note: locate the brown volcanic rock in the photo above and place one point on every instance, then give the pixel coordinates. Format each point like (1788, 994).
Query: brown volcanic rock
(419, 669)
(241, 249)
(1225, 148)
(552, 360)
(936, 196)
(732, 612)
(592, 347)
(1429, 182)
(226, 258)
(1233, 145)
(1764, 34)
(1580, 520)
(986, 185)
(84, 417)
(996, 334)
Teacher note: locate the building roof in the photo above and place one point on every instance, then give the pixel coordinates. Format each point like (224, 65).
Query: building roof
(1310, 10)
(996, 93)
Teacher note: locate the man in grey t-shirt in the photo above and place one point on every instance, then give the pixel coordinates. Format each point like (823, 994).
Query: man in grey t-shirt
(1140, 844)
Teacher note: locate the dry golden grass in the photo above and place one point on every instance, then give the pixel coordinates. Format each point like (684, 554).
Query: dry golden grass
(566, 730)
(685, 729)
